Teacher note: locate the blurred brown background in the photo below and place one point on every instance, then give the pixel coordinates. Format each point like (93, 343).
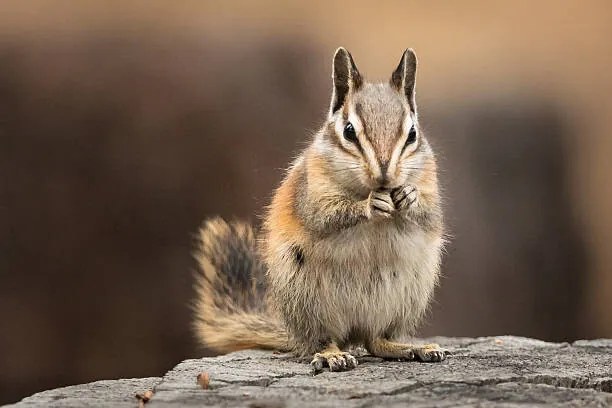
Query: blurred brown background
(124, 123)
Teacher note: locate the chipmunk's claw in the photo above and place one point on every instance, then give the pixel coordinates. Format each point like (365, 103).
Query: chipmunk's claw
(336, 361)
(381, 204)
(431, 353)
(404, 197)
(404, 355)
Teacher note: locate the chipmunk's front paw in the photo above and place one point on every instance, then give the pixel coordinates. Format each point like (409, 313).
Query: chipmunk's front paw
(430, 353)
(380, 204)
(335, 360)
(404, 197)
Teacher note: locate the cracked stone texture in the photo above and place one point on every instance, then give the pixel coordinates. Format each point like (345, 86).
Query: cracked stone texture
(488, 371)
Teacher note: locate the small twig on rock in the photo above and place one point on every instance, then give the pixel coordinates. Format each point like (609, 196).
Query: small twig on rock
(203, 379)
(144, 398)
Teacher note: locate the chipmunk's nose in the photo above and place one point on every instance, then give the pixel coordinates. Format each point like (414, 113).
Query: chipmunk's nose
(383, 179)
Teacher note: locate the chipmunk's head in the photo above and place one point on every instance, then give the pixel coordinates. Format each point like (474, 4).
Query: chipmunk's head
(372, 139)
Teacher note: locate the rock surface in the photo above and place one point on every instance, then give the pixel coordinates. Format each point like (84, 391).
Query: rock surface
(488, 371)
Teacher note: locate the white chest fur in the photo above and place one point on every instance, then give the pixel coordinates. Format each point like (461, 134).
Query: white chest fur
(378, 278)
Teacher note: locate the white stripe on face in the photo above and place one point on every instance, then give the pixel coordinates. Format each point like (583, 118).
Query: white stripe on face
(369, 155)
(368, 150)
(397, 150)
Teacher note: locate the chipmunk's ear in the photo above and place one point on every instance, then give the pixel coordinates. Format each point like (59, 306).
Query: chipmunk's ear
(346, 78)
(404, 77)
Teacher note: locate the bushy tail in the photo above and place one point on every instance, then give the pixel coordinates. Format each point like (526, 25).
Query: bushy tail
(230, 310)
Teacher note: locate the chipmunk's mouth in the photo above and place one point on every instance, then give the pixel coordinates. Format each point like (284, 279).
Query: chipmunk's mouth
(385, 182)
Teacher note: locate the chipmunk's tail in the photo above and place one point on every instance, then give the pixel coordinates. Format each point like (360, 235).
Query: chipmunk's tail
(230, 309)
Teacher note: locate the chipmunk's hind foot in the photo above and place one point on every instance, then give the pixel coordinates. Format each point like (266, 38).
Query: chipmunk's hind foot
(392, 350)
(333, 358)
(430, 353)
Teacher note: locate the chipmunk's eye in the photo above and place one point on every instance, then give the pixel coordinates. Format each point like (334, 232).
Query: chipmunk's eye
(349, 133)
(411, 136)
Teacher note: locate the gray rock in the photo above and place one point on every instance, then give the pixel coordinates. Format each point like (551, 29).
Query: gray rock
(107, 393)
(487, 371)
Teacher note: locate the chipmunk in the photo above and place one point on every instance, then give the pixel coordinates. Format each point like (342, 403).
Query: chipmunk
(349, 253)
